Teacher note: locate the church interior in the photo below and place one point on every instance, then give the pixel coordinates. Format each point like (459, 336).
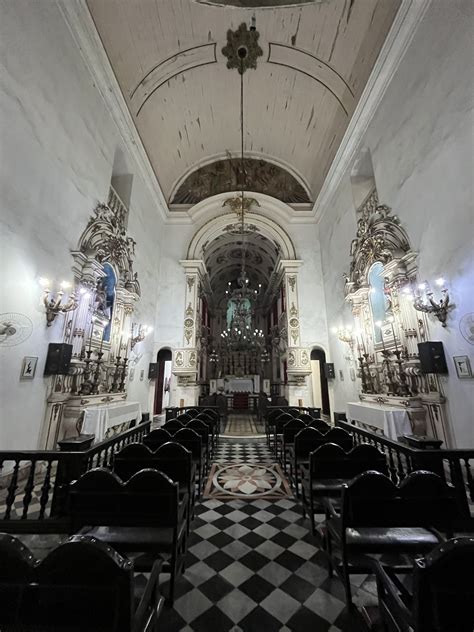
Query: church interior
(237, 316)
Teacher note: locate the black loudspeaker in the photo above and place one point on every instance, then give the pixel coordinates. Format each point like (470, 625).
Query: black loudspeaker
(59, 359)
(432, 358)
(329, 370)
(153, 370)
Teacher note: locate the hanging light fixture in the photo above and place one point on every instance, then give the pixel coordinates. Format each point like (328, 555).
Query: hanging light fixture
(242, 51)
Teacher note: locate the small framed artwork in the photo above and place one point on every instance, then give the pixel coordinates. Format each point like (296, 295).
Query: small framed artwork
(341, 375)
(463, 367)
(28, 368)
(131, 375)
(352, 374)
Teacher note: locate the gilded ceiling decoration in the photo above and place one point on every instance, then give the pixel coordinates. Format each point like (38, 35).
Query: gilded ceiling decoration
(224, 176)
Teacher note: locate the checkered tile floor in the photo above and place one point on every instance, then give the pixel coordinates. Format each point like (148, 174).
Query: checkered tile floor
(253, 566)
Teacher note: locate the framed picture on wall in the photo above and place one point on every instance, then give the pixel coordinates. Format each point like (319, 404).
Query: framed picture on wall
(463, 367)
(28, 368)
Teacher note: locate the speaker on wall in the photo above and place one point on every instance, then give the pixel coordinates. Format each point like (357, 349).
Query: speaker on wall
(153, 370)
(432, 358)
(329, 370)
(58, 359)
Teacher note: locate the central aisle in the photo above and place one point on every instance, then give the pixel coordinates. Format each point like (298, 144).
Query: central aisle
(252, 565)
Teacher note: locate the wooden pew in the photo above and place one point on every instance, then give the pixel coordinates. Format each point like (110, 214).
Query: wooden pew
(330, 466)
(440, 595)
(143, 516)
(378, 517)
(308, 440)
(171, 458)
(82, 585)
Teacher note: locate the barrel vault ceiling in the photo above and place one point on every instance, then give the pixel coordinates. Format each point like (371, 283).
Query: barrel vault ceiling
(167, 57)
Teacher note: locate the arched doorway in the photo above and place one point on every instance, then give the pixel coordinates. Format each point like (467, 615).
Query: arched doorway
(162, 387)
(319, 381)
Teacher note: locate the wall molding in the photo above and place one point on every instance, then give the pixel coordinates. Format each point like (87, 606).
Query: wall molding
(404, 27)
(81, 25)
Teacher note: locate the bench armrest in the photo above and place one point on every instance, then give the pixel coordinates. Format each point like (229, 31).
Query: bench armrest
(142, 616)
(329, 508)
(389, 591)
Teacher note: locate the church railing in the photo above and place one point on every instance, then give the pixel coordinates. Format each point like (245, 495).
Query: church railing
(454, 466)
(34, 487)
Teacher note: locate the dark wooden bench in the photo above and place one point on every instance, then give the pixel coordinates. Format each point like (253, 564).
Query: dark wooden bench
(308, 440)
(171, 458)
(330, 466)
(144, 516)
(287, 438)
(439, 596)
(157, 437)
(82, 585)
(378, 517)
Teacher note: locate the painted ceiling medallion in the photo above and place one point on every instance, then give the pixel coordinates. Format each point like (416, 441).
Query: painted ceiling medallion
(242, 48)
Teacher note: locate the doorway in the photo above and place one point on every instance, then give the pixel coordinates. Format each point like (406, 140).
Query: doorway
(162, 387)
(319, 381)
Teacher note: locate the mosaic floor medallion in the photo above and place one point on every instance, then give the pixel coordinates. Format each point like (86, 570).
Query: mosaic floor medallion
(246, 481)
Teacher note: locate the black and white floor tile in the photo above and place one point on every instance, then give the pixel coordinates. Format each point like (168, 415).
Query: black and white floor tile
(252, 565)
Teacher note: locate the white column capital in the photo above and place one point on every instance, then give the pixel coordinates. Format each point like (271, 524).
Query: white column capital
(194, 266)
(289, 266)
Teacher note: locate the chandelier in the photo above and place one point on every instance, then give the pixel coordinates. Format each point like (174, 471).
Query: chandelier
(242, 51)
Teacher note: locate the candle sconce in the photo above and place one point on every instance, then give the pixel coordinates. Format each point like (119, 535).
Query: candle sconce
(139, 333)
(345, 334)
(53, 303)
(427, 303)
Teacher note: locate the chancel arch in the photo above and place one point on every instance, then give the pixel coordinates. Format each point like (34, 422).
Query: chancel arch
(242, 281)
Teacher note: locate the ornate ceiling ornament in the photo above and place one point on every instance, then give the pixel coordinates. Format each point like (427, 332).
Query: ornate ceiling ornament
(236, 205)
(237, 229)
(379, 238)
(242, 49)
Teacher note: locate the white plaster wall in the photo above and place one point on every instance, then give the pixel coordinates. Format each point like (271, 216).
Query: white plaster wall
(57, 149)
(422, 151)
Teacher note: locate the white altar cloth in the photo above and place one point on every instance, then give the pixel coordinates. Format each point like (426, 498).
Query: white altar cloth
(241, 385)
(392, 420)
(98, 419)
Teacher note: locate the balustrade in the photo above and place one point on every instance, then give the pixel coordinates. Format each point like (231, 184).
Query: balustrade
(40, 505)
(454, 466)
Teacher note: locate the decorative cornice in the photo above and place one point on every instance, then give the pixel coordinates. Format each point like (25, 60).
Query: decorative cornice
(403, 29)
(81, 25)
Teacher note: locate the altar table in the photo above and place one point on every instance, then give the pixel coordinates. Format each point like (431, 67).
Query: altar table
(98, 419)
(240, 385)
(392, 420)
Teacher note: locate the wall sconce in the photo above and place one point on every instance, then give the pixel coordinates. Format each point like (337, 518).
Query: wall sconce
(53, 303)
(139, 333)
(426, 303)
(345, 334)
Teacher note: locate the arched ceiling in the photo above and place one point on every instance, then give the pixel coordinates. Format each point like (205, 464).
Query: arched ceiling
(225, 175)
(223, 259)
(167, 57)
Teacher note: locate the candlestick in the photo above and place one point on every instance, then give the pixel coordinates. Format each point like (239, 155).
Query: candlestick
(393, 334)
(364, 348)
